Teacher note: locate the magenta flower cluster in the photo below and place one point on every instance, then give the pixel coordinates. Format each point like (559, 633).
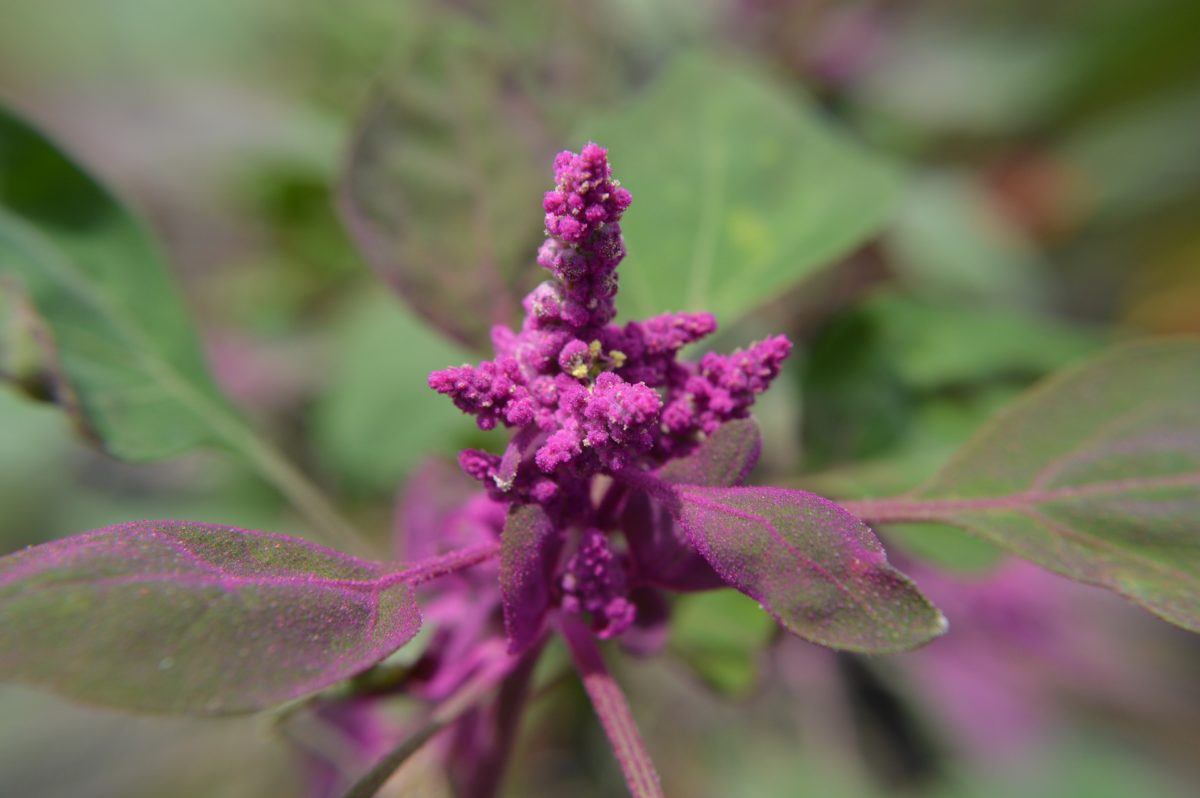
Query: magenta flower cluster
(589, 397)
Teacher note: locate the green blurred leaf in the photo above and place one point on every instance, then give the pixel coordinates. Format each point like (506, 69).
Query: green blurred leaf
(720, 635)
(1094, 475)
(741, 190)
(126, 361)
(931, 344)
(942, 546)
(855, 404)
(130, 368)
(1166, 170)
(950, 240)
(379, 417)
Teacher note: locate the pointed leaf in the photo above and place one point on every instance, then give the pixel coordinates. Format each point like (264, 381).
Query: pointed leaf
(128, 360)
(179, 617)
(529, 549)
(126, 363)
(723, 459)
(1095, 475)
(817, 569)
(740, 190)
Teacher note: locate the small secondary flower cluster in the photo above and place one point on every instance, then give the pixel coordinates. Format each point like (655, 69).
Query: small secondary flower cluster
(589, 397)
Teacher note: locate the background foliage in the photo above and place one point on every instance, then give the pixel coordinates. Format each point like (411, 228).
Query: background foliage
(940, 204)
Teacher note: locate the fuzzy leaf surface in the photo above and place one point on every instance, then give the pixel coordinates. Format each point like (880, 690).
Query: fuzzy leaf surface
(814, 567)
(723, 459)
(180, 617)
(1094, 474)
(529, 549)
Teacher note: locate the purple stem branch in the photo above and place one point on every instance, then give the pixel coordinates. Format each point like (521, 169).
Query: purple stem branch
(645, 481)
(510, 704)
(606, 513)
(613, 711)
(434, 567)
(466, 698)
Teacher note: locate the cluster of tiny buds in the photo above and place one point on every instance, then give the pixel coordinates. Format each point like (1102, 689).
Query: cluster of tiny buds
(587, 396)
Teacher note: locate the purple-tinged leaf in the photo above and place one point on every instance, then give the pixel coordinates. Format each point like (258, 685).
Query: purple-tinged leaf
(613, 711)
(425, 191)
(661, 556)
(814, 567)
(529, 550)
(179, 617)
(1095, 474)
(724, 459)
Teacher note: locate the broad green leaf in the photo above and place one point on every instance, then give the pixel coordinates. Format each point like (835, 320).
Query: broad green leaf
(129, 363)
(378, 418)
(814, 567)
(951, 240)
(1095, 475)
(720, 634)
(933, 345)
(180, 617)
(942, 546)
(740, 190)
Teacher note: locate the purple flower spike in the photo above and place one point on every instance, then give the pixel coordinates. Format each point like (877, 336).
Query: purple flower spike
(589, 398)
(488, 391)
(594, 582)
(585, 196)
(725, 387)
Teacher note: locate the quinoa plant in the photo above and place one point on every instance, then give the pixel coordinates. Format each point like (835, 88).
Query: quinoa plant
(622, 483)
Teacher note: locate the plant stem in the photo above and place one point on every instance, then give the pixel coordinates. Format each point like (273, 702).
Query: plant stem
(444, 714)
(488, 775)
(613, 711)
(434, 567)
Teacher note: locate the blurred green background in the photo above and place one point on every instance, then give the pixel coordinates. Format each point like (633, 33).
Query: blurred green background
(939, 202)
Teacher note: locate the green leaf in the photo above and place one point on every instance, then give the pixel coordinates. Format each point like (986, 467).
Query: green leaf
(126, 350)
(942, 546)
(1095, 475)
(379, 417)
(740, 190)
(720, 635)
(126, 362)
(932, 345)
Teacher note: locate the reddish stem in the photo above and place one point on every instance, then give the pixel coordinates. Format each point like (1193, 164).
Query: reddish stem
(613, 711)
(434, 567)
